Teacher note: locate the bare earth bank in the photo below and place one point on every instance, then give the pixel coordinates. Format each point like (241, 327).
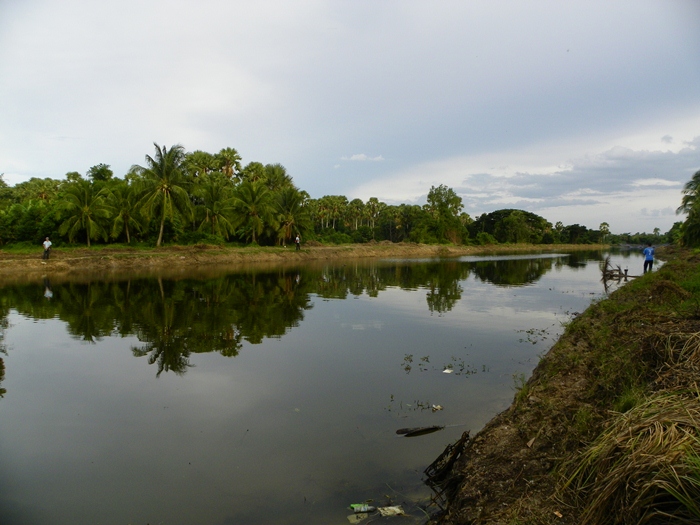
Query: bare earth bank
(74, 262)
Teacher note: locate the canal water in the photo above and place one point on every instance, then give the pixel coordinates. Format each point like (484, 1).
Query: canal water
(265, 395)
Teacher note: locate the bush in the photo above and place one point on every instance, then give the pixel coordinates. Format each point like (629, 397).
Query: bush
(199, 238)
(484, 239)
(336, 238)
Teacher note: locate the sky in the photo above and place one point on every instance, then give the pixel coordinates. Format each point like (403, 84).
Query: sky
(581, 111)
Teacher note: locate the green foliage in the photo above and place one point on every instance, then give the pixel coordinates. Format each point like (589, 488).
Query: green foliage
(511, 226)
(690, 204)
(85, 212)
(333, 237)
(484, 239)
(100, 173)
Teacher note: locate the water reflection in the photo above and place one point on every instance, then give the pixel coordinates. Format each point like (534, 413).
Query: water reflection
(174, 318)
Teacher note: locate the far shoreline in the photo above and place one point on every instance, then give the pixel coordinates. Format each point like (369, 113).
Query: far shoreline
(74, 262)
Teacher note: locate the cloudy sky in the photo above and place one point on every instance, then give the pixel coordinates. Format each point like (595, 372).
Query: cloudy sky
(581, 111)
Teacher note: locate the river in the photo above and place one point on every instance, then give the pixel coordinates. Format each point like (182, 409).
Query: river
(265, 396)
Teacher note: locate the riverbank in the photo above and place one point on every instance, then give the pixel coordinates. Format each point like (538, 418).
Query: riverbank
(604, 430)
(77, 261)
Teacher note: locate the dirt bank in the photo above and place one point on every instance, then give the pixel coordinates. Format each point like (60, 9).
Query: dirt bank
(76, 261)
(610, 359)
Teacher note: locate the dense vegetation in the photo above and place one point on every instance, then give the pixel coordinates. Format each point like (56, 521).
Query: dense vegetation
(199, 197)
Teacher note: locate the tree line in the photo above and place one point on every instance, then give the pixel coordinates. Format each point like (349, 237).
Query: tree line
(199, 197)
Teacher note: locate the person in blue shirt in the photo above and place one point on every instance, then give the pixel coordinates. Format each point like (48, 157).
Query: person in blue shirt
(648, 257)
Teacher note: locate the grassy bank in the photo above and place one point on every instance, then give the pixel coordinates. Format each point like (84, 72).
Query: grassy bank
(607, 430)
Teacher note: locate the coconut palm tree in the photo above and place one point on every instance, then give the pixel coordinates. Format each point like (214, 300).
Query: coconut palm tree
(125, 212)
(690, 194)
(85, 208)
(292, 215)
(254, 207)
(164, 185)
(215, 206)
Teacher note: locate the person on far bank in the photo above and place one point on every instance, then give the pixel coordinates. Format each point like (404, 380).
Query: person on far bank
(648, 257)
(297, 241)
(47, 248)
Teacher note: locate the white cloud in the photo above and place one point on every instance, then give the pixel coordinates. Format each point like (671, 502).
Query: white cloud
(361, 157)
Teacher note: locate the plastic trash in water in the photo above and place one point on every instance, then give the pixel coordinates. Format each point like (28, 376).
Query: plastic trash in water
(362, 507)
(391, 511)
(358, 518)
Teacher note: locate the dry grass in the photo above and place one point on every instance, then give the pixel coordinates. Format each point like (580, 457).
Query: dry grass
(640, 469)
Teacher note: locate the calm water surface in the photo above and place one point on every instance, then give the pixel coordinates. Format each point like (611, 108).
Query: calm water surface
(264, 396)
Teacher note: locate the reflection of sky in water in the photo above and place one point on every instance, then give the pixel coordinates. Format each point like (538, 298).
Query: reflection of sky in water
(291, 430)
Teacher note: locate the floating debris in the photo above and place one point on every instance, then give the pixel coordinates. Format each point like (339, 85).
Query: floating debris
(391, 511)
(362, 507)
(419, 431)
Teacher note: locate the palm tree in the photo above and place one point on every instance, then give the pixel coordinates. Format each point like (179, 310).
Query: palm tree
(85, 207)
(254, 207)
(291, 213)
(199, 163)
(164, 185)
(229, 162)
(276, 177)
(216, 205)
(690, 194)
(126, 217)
(253, 172)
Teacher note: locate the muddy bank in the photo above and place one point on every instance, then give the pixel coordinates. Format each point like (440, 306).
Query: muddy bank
(610, 359)
(101, 261)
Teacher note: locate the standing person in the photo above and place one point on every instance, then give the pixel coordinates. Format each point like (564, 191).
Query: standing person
(297, 241)
(47, 248)
(648, 257)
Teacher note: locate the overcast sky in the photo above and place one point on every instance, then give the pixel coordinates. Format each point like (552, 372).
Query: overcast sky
(581, 111)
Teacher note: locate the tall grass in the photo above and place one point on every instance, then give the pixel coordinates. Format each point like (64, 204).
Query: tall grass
(645, 467)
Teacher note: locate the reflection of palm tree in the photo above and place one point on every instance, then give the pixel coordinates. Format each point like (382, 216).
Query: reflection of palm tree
(166, 337)
(164, 185)
(86, 309)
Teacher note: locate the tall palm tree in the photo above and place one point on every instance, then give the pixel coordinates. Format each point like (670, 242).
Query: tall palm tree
(291, 213)
(216, 205)
(164, 185)
(254, 206)
(85, 208)
(125, 212)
